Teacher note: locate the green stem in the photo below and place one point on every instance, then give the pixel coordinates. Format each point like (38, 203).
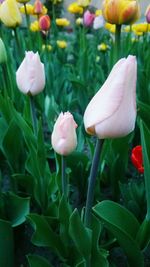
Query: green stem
(8, 89)
(63, 175)
(91, 184)
(17, 41)
(33, 114)
(117, 43)
(27, 16)
(28, 25)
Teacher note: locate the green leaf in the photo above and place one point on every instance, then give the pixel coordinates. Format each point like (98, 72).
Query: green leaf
(37, 261)
(145, 137)
(41, 153)
(124, 227)
(6, 244)
(17, 208)
(13, 145)
(99, 256)
(81, 235)
(144, 111)
(64, 215)
(44, 236)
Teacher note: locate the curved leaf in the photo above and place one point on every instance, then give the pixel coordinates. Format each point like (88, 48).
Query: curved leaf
(124, 227)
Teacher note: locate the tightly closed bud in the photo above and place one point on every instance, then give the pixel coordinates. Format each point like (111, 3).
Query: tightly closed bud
(44, 23)
(88, 18)
(30, 75)
(98, 22)
(10, 14)
(112, 111)
(38, 7)
(121, 11)
(3, 55)
(64, 139)
(137, 158)
(147, 14)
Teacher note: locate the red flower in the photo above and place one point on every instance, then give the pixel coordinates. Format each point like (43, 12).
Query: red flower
(44, 23)
(137, 158)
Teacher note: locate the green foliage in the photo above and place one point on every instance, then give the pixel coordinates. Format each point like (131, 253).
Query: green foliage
(6, 244)
(124, 227)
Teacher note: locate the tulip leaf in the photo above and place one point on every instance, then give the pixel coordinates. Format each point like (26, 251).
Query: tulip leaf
(145, 136)
(99, 256)
(44, 236)
(38, 261)
(124, 226)
(13, 147)
(6, 244)
(144, 111)
(17, 208)
(81, 235)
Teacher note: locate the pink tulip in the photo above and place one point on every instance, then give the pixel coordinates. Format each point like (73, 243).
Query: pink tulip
(30, 76)
(64, 139)
(88, 18)
(112, 111)
(147, 14)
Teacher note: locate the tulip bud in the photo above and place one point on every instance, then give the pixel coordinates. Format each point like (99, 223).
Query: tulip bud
(88, 18)
(10, 14)
(44, 23)
(98, 22)
(30, 76)
(64, 139)
(147, 14)
(121, 11)
(3, 55)
(112, 111)
(38, 7)
(137, 158)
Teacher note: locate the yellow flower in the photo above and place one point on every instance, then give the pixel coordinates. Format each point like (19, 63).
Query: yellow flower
(61, 43)
(102, 47)
(79, 21)
(140, 27)
(121, 11)
(10, 14)
(98, 12)
(62, 22)
(110, 27)
(29, 8)
(83, 3)
(74, 8)
(47, 47)
(44, 10)
(34, 26)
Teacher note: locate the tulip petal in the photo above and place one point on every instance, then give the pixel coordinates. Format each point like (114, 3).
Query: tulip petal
(112, 110)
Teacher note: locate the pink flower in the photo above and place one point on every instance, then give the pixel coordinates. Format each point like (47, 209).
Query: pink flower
(88, 18)
(30, 76)
(112, 111)
(147, 14)
(64, 139)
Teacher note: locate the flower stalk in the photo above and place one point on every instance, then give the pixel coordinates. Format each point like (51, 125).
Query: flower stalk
(33, 114)
(117, 48)
(91, 184)
(63, 176)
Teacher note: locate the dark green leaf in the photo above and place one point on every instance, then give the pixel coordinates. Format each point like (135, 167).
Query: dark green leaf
(124, 227)
(6, 244)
